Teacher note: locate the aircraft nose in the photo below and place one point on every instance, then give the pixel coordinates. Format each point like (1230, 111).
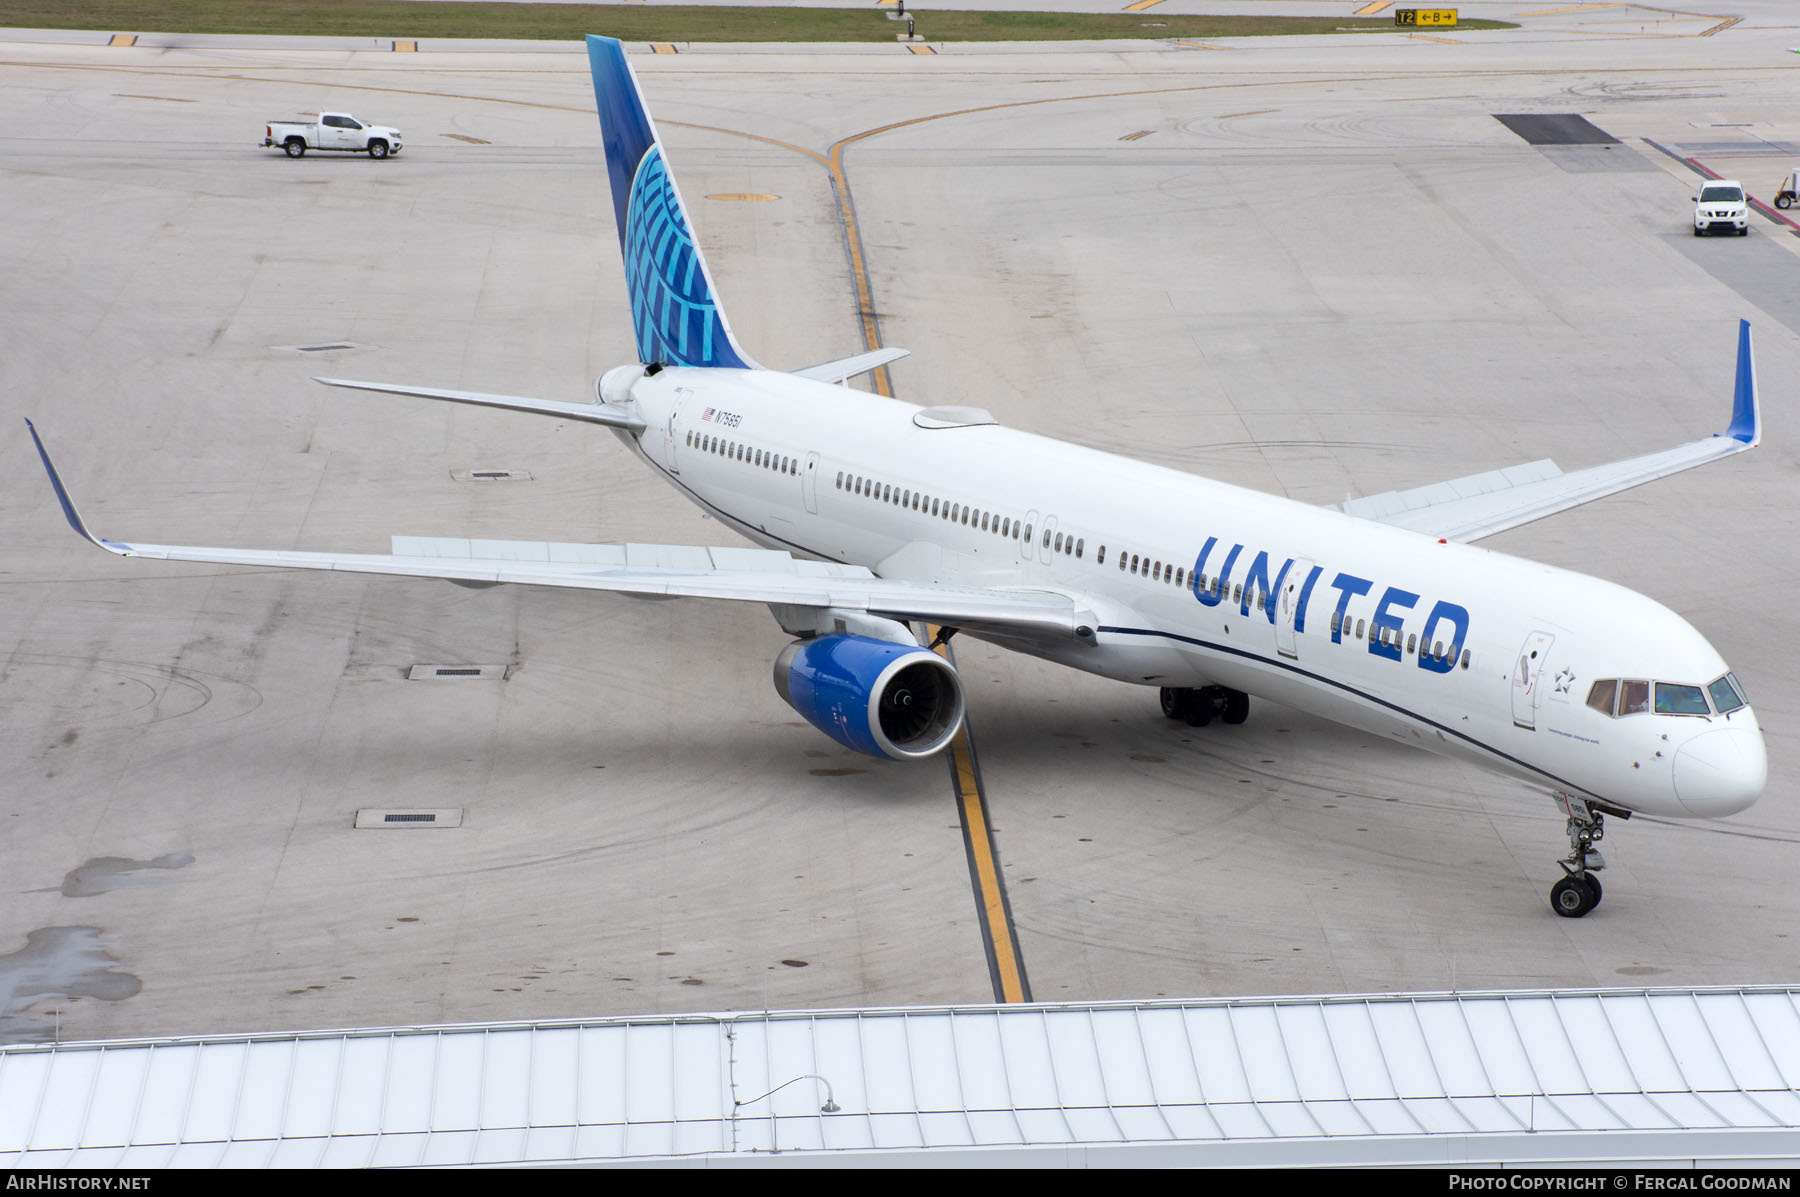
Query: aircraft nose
(1722, 771)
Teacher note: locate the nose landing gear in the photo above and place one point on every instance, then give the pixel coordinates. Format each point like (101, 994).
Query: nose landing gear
(1579, 891)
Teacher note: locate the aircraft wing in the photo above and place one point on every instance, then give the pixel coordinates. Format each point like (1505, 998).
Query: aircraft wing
(1468, 509)
(661, 571)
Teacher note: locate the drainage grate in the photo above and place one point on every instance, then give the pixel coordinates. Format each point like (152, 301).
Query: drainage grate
(491, 475)
(402, 818)
(428, 673)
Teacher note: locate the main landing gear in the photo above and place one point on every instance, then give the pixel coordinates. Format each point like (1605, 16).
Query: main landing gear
(1198, 707)
(1579, 891)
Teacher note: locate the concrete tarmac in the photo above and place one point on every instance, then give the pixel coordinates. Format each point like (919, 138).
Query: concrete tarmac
(1310, 266)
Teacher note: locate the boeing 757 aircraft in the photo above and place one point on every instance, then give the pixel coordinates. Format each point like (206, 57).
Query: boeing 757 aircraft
(876, 515)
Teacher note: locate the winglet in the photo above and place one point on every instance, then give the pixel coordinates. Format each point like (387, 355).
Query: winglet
(1746, 409)
(68, 504)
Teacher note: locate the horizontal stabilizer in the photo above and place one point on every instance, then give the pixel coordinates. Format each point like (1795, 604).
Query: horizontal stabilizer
(591, 413)
(849, 367)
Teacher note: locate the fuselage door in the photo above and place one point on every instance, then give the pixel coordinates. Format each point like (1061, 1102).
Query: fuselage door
(675, 429)
(1287, 608)
(1525, 687)
(809, 484)
(1046, 539)
(1026, 537)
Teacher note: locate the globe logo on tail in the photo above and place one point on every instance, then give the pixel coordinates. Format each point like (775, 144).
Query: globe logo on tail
(672, 306)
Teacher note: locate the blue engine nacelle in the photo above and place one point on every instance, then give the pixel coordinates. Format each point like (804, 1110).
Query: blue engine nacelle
(894, 701)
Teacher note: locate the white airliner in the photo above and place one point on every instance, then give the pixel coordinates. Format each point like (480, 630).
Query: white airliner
(876, 515)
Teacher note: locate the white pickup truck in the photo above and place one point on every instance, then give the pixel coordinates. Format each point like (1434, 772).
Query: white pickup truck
(332, 131)
(1721, 205)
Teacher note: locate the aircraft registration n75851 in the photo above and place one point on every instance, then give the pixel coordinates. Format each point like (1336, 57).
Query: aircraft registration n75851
(878, 520)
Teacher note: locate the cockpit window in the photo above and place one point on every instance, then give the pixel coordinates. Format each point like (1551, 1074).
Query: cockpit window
(1673, 699)
(1611, 696)
(1725, 694)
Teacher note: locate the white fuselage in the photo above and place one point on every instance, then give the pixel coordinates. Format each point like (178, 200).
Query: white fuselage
(1453, 648)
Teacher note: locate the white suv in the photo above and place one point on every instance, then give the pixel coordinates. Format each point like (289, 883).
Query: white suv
(1721, 205)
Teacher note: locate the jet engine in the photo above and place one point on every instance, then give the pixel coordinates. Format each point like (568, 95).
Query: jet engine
(894, 701)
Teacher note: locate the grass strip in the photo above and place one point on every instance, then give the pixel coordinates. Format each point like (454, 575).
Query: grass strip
(639, 22)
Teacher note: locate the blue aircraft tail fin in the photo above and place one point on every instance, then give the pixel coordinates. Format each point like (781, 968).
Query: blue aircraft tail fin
(674, 306)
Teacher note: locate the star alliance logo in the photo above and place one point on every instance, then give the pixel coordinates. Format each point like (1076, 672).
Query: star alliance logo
(1564, 679)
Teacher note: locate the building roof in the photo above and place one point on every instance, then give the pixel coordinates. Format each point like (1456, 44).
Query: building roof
(1516, 1077)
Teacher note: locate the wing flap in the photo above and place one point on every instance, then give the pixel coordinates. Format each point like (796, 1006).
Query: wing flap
(1390, 507)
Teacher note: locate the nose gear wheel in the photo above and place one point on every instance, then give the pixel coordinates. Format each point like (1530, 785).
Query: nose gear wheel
(1579, 891)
